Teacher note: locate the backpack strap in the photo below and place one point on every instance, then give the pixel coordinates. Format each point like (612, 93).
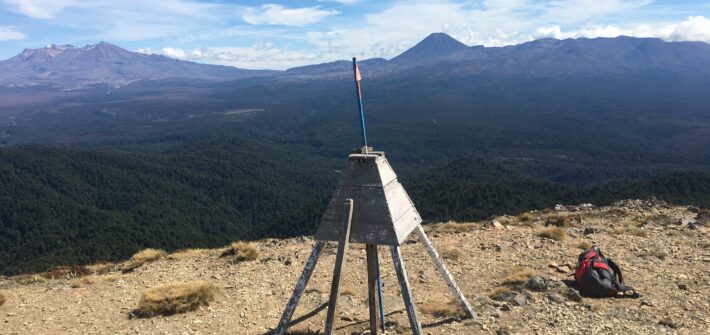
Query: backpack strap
(619, 280)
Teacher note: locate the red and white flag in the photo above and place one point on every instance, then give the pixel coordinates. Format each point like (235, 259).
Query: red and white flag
(357, 73)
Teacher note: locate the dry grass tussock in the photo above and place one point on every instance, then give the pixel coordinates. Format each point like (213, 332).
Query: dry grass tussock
(175, 298)
(347, 291)
(555, 233)
(67, 271)
(557, 221)
(584, 245)
(659, 253)
(455, 227)
(188, 253)
(451, 252)
(528, 219)
(142, 257)
(100, 268)
(630, 230)
(242, 251)
(81, 282)
(518, 276)
(30, 279)
(441, 309)
(500, 290)
(2, 299)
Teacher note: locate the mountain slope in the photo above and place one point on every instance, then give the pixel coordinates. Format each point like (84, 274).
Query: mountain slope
(665, 261)
(104, 63)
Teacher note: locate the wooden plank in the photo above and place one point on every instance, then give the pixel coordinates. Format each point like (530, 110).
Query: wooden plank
(379, 294)
(339, 265)
(371, 251)
(409, 303)
(300, 287)
(455, 290)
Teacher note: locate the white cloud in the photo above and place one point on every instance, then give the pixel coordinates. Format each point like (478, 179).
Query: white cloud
(257, 56)
(39, 9)
(694, 28)
(495, 23)
(10, 34)
(294, 17)
(120, 20)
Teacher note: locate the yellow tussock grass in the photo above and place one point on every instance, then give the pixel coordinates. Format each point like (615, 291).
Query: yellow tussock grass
(441, 309)
(142, 257)
(175, 298)
(518, 276)
(242, 251)
(554, 233)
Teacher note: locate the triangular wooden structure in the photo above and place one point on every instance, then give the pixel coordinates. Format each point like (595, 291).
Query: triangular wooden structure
(383, 213)
(369, 206)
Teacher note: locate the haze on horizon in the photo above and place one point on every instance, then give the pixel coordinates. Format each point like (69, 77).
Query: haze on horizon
(285, 34)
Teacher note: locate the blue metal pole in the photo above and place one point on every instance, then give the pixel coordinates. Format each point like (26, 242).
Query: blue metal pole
(363, 133)
(358, 93)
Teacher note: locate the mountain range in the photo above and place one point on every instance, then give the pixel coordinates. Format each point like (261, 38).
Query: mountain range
(104, 63)
(67, 66)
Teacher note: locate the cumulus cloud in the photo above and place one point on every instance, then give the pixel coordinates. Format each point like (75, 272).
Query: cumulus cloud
(10, 34)
(694, 28)
(294, 17)
(257, 56)
(121, 20)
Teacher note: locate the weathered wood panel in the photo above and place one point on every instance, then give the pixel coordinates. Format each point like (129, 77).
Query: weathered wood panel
(373, 303)
(455, 290)
(339, 266)
(384, 215)
(409, 302)
(300, 287)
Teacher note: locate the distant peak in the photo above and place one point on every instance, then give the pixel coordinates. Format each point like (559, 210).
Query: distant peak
(434, 46)
(440, 36)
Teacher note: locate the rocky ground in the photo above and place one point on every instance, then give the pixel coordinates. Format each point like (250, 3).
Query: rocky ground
(516, 280)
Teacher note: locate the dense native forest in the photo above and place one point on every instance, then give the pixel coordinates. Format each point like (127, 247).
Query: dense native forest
(68, 206)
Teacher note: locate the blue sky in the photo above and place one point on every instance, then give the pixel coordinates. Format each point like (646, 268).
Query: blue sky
(283, 34)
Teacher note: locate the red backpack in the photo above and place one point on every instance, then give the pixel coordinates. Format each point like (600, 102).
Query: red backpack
(598, 276)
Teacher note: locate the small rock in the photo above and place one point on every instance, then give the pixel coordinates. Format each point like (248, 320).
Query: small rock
(521, 299)
(683, 287)
(573, 295)
(591, 230)
(496, 314)
(555, 297)
(536, 283)
(498, 247)
(670, 323)
(552, 284)
(647, 303)
(503, 330)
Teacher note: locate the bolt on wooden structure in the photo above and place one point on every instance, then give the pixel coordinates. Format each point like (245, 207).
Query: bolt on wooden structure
(370, 206)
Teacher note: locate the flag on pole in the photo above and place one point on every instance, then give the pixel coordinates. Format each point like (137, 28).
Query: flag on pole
(357, 73)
